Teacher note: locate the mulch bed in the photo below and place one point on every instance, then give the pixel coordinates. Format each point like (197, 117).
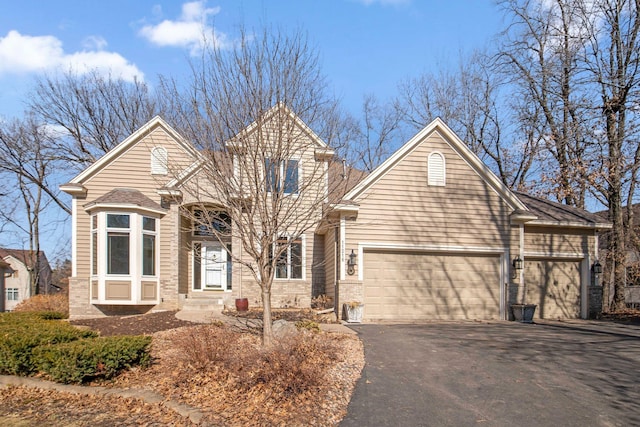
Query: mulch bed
(143, 324)
(628, 317)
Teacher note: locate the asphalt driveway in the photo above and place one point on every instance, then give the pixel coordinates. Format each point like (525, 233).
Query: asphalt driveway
(577, 373)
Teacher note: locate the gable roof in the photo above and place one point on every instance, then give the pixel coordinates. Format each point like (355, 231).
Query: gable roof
(270, 113)
(23, 255)
(553, 213)
(457, 145)
(130, 141)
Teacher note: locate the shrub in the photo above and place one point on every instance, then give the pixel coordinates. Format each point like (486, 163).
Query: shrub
(84, 360)
(309, 325)
(50, 303)
(290, 367)
(202, 345)
(21, 333)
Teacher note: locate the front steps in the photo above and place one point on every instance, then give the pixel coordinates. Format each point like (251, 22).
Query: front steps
(205, 301)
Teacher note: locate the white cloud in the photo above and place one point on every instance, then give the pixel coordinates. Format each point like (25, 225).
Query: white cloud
(94, 43)
(25, 54)
(188, 31)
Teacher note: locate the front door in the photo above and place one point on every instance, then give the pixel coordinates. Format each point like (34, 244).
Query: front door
(213, 264)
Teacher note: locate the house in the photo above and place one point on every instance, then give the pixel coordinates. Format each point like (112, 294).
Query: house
(430, 234)
(5, 269)
(632, 261)
(28, 273)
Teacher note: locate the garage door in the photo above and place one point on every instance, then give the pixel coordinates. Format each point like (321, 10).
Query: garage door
(554, 286)
(418, 286)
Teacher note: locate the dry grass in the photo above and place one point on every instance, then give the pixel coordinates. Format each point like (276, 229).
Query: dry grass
(53, 302)
(306, 379)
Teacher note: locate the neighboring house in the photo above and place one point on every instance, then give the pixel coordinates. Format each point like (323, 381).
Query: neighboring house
(632, 279)
(19, 285)
(5, 269)
(430, 234)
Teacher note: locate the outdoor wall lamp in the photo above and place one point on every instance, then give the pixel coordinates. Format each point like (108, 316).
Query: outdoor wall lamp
(351, 263)
(517, 263)
(596, 267)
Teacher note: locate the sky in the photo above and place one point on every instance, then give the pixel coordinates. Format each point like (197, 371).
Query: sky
(365, 46)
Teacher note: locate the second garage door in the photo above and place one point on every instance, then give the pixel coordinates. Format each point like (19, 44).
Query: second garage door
(554, 286)
(418, 286)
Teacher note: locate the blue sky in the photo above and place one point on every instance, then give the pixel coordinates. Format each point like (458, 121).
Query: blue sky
(366, 46)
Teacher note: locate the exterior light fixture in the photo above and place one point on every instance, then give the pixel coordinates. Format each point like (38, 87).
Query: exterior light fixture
(517, 263)
(351, 263)
(596, 267)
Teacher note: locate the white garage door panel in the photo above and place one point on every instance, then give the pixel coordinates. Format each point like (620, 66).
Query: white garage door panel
(418, 286)
(554, 286)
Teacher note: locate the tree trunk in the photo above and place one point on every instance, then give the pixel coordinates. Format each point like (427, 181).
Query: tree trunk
(267, 330)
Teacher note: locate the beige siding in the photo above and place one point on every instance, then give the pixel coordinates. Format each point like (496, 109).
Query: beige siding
(317, 256)
(401, 208)
(547, 240)
(132, 169)
(330, 262)
(83, 239)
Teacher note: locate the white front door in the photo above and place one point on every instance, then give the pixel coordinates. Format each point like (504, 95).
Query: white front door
(214, 266)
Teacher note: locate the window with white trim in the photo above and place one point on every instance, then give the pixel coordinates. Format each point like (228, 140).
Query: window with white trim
(282, 176)
(148, 246)
(12, 294)
(290, 262)
(436, 170)
(159, 161)
(121, 240)
(118, 244)
(94, 245)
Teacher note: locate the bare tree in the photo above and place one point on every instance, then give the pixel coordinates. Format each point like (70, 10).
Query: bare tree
(469, 100)
(27, 161)
(91, 112)
(612, 59)
(262, 167)
(377, 135)
(539, 52)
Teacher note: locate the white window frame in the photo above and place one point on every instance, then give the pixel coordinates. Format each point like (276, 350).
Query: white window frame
(303, 249)
(153, 233)
(283, 176)
(130, 232)
(136, 247)
(13, 294)
(433, 179)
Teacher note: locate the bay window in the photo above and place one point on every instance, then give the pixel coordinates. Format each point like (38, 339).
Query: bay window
(124, 258)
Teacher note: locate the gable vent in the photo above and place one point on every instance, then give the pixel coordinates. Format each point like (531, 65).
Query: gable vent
(436, 170)
(159, 159)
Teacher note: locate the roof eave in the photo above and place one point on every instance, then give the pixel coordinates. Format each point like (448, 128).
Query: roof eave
(124, 206)
(571, 224)
(74, 189)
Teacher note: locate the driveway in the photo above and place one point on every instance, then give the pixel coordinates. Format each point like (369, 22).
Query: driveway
(574, 373)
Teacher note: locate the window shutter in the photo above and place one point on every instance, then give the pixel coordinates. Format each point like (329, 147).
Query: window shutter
(436, 170)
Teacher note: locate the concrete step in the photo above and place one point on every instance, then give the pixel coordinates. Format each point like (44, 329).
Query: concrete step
(204, 301)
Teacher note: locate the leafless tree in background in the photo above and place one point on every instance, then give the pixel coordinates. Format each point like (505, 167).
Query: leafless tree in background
(539, 52)
(27, 162)
(91, 112)
(612, 60)
(468, 99)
